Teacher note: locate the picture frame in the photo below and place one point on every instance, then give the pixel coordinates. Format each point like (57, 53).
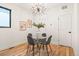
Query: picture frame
(25, 24)
(22, 25)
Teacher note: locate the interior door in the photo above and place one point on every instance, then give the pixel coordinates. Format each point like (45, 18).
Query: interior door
(65, 34)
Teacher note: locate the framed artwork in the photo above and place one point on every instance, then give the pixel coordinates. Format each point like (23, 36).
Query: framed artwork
(25, 24)
(22, 25)
(29, 23)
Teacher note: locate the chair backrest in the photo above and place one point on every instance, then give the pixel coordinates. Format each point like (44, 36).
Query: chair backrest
(49, 40)
(30, 39)
(44, 34)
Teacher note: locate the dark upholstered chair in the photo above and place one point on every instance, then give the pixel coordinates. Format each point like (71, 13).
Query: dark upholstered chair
(43, 40)
(48, 43)
(31, 42)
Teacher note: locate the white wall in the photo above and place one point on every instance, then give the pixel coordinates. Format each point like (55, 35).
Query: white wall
(12, 36)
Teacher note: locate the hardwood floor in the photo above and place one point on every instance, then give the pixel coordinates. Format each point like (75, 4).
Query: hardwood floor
(21, 51)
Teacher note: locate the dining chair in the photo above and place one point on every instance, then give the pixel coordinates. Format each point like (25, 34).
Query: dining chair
(48, 43)
(43, 39)
(31, 42)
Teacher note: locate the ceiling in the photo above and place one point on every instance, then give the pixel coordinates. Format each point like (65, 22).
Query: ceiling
(29, 5)
(48, 5)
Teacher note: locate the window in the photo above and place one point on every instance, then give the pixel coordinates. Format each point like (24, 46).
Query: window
(5, 17)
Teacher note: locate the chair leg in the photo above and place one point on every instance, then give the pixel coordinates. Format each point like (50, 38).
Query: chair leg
(27, 49)
(39, 49)
(33, 50)
(50, 48)
(43, 47)
(47, 50)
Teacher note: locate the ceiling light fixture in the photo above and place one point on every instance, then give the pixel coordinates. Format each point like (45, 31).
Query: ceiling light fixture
(38, 9)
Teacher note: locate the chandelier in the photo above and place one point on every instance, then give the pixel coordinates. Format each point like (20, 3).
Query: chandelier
(38, 9)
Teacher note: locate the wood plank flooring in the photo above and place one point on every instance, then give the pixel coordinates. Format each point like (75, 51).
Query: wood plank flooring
(57, 50)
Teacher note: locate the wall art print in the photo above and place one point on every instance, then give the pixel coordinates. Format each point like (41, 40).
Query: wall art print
(25, 24)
